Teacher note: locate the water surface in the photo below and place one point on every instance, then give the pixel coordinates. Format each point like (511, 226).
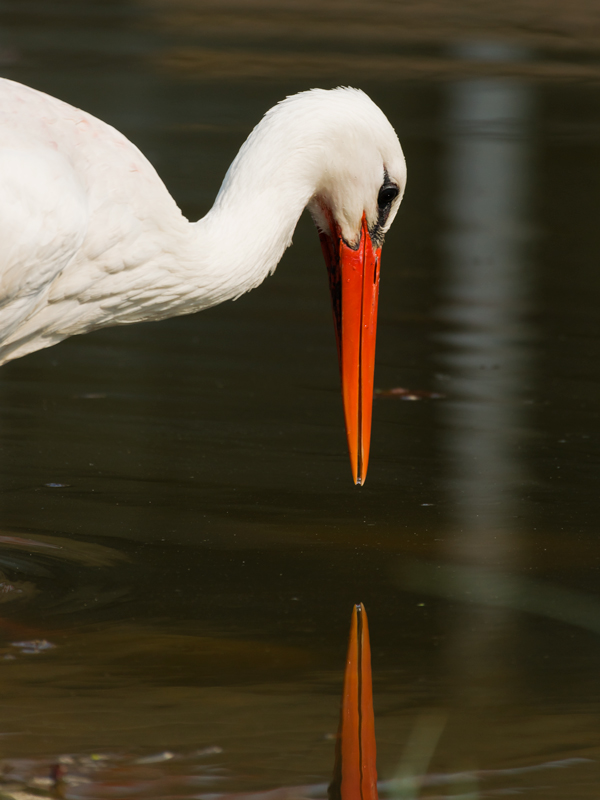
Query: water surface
(178, 517)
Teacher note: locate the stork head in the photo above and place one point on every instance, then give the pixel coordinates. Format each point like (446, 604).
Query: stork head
(335, 152)
(359, 190)
(364, 171)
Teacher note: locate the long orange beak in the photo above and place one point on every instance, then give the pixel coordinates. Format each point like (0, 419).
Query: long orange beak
(354, 286)
(355, 772)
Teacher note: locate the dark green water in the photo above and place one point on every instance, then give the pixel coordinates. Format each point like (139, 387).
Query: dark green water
(176, 503)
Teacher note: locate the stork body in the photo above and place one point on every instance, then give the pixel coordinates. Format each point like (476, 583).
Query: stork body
(90, 236)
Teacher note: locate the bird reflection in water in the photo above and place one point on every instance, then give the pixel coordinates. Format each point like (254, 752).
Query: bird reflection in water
(200, 773)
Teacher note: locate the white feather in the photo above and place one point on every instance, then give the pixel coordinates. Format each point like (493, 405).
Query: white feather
(91, 237)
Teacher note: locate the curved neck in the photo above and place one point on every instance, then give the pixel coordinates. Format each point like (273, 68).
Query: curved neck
(244, 235)
(191, 266)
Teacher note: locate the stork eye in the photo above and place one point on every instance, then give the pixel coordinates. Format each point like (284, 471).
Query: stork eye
(386, 195)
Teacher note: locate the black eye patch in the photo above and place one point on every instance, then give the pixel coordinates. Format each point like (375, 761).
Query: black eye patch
(386, 195)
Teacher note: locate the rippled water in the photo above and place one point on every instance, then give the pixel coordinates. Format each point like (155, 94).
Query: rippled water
(178, 517)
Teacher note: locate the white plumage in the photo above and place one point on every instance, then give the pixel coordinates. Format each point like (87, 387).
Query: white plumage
(90, 236)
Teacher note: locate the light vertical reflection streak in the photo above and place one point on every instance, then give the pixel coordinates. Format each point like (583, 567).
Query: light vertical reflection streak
(485, 291)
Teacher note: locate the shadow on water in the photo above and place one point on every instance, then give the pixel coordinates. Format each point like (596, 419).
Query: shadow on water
(181, 541)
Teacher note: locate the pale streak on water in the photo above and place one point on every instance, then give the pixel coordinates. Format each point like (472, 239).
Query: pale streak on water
(485, 296)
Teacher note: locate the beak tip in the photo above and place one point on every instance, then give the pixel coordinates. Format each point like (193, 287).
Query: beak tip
(359, 477)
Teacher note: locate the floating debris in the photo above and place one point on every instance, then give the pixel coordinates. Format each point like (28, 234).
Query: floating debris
(57, 485)
(9, 591)
(400, 393)
(156, 759)
(110, 776)
(34, 646)
(207, 751)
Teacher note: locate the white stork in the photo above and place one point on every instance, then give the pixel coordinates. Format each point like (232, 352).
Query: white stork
(90, 236)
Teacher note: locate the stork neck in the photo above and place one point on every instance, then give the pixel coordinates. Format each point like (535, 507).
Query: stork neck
(252, 221)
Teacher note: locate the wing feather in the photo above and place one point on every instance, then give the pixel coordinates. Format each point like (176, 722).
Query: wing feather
(43, 222)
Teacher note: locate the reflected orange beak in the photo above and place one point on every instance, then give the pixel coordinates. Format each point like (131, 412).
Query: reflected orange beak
(355, 772)
(354, 286)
